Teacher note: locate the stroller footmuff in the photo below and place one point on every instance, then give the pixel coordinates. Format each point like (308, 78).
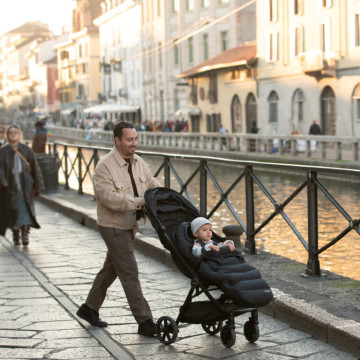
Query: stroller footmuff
(240, 284)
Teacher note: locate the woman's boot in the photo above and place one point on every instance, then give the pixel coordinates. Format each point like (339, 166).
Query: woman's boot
(25, 229)
(16, 237)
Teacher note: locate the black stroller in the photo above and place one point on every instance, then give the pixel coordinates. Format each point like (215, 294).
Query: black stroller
(243, 289)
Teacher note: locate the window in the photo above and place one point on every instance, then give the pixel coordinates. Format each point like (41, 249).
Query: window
(326, 3)
(298, 7)
(213, 88)
(80, 51)
(272, 54)
(273, 10)
(176, 54)
(298, 110)
(206, 46)
(205, 3)
(357, 30)
(190, 49)
(159, 8)
(189, 5)
(356, 102)
(224, 41)
(223, 1)
(193, 94)
(273, 100)
(175, 6)
(298, 40)
(160, 54)
(325, 37)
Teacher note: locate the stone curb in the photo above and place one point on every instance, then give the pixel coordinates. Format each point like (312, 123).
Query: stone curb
(341, 333)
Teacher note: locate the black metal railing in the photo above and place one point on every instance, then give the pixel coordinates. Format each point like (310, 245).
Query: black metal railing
(83, 167)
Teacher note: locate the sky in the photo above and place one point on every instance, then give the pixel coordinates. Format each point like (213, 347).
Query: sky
(55, 13)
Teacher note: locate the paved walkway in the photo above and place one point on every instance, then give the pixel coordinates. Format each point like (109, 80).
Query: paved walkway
(42, 286)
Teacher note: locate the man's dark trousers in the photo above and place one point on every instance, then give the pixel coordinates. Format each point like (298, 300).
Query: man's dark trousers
(120, 262)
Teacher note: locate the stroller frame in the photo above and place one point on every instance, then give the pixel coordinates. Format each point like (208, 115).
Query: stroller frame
(217, 309)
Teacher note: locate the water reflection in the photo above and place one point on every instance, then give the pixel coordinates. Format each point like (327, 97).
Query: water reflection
(277, 237)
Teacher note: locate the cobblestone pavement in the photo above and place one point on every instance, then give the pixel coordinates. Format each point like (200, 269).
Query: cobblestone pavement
(42, 286)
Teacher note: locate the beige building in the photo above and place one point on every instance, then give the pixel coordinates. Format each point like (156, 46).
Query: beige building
(308, 66)
(178, 35)
(120, 52)
(78, 63)
(223, 91)
(14, 67)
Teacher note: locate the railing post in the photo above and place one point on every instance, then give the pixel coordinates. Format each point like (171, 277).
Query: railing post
(313, 265)
(66, 187)
(167, 172)
(203, 188)
(80, 191)
(250, 246)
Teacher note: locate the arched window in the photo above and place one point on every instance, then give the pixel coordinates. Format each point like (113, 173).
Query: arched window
(298, 111)
(251, 114)
(273, 100)
(356, 102)
(355, 129)
(328, 111)
(236, 118)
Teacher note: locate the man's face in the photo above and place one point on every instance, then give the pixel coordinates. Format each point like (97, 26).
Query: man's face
(128, 143)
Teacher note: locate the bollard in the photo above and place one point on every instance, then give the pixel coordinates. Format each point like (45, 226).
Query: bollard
(233, 232)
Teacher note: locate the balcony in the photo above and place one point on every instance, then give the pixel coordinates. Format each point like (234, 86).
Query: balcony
(318, 63)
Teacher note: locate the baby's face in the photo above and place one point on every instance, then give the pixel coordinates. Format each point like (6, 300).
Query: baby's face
(204, 233)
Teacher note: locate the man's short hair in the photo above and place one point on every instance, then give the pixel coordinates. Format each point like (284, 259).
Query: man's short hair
(38, 124)
(118, 128)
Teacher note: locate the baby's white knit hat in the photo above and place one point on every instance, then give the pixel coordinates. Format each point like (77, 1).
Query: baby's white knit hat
(197, 223)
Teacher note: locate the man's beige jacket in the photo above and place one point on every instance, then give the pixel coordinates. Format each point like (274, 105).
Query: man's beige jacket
(116, 203)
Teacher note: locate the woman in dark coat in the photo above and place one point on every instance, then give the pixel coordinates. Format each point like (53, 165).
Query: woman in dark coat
(20, 181)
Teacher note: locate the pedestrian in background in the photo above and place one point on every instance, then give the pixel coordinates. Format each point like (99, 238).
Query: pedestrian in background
(2, 136)
(20, 180)
(314, 130)
(222, 130)
(120, 180)
(40, 138)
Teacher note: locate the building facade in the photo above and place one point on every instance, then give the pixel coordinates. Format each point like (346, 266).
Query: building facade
(308, 66)
(14, 68)
(78, 63)
(178, 35)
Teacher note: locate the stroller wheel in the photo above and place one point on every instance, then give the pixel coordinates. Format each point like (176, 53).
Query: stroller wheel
(166, 330)
(228, 336)
(212, 328)
(251, 331)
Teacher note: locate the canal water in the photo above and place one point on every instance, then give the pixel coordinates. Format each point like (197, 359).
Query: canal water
(277, 237)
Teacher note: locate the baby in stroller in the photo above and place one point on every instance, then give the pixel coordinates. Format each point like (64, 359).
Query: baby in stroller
(243, 288)
(201, 228)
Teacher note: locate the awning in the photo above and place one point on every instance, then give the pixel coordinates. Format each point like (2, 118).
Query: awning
(111, 108)
(93, 109)
(188, 112)
(67, 111)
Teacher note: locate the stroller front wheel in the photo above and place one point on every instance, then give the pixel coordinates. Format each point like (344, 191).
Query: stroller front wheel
(251, 331)
(228, 336)
(213, 328)
(166, 330)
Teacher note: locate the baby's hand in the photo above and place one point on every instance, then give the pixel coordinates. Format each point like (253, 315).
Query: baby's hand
(231, 246)
(214, 247)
